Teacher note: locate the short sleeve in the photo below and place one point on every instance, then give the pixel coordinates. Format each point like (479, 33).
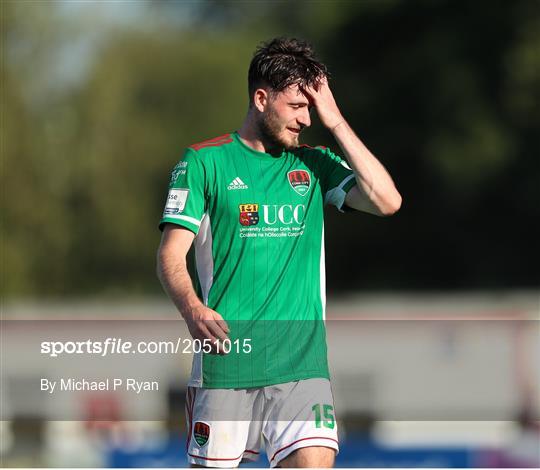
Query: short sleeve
(336, 178)
(186, 200)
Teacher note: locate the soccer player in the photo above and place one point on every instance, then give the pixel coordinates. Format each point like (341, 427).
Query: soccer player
(252, 202)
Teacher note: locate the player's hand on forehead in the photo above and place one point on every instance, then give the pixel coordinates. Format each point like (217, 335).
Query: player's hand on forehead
(312, 92)
(320, 96)
(302, 91)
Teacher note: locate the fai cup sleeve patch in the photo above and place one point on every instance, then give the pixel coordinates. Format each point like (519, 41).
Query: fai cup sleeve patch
(179, 169)
(176, 201)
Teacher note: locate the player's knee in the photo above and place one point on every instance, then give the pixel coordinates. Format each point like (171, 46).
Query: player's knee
(194, 465)
(315, 457)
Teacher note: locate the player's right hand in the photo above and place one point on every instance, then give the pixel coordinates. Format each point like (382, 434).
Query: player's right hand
(205, 323)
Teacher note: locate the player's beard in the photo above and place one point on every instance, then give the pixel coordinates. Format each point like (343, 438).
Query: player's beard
(271, 130)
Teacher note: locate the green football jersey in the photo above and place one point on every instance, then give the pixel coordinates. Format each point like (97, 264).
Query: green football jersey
(259, 252)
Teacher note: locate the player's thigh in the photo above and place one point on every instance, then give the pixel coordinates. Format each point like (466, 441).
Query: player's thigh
(312, 457)
(301, 416)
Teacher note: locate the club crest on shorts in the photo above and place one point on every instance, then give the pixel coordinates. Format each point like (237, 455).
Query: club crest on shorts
(300, 181)
(201, 433)
(249, 214)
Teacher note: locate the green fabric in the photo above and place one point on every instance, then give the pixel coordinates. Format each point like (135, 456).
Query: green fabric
(259, 225)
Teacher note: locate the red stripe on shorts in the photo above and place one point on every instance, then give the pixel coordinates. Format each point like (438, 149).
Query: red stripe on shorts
(304, 439)
(225, 458)
(189, 409)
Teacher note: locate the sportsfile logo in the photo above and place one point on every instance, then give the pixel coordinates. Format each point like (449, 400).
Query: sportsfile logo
(237, 183)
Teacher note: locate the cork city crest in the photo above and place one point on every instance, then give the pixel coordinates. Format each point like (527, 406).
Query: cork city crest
(249, 214)
(201, 433)
(300, 181)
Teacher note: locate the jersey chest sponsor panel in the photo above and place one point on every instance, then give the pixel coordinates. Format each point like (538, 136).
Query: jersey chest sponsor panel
(259, 258)
(265, 237)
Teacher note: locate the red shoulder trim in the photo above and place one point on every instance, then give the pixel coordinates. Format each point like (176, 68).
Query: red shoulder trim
(215, 142)
(316, 147)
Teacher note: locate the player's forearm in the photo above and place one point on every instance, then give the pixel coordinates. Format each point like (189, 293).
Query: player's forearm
(175, 279)
(371, 176)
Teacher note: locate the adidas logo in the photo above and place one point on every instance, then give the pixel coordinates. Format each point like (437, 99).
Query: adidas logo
(237, 183)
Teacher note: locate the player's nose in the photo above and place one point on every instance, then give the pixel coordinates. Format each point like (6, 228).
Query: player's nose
(304, 119)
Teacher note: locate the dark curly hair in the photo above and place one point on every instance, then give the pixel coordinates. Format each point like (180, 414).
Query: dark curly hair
(282, 62)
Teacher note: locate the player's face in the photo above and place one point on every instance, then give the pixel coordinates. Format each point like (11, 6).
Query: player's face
(285, 116)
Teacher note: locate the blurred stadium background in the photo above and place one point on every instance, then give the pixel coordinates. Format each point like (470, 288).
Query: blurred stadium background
(433, 336)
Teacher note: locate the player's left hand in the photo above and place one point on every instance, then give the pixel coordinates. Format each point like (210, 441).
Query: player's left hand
(325, 104)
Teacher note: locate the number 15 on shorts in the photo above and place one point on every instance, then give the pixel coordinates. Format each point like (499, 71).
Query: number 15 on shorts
(324, 416)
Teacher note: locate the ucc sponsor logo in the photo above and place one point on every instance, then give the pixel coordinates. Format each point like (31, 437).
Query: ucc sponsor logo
(286, 214)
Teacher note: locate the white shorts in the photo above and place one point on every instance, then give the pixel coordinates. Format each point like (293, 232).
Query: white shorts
(226, 426)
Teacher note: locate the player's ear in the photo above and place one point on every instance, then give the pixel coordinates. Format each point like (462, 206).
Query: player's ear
(260, 99)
